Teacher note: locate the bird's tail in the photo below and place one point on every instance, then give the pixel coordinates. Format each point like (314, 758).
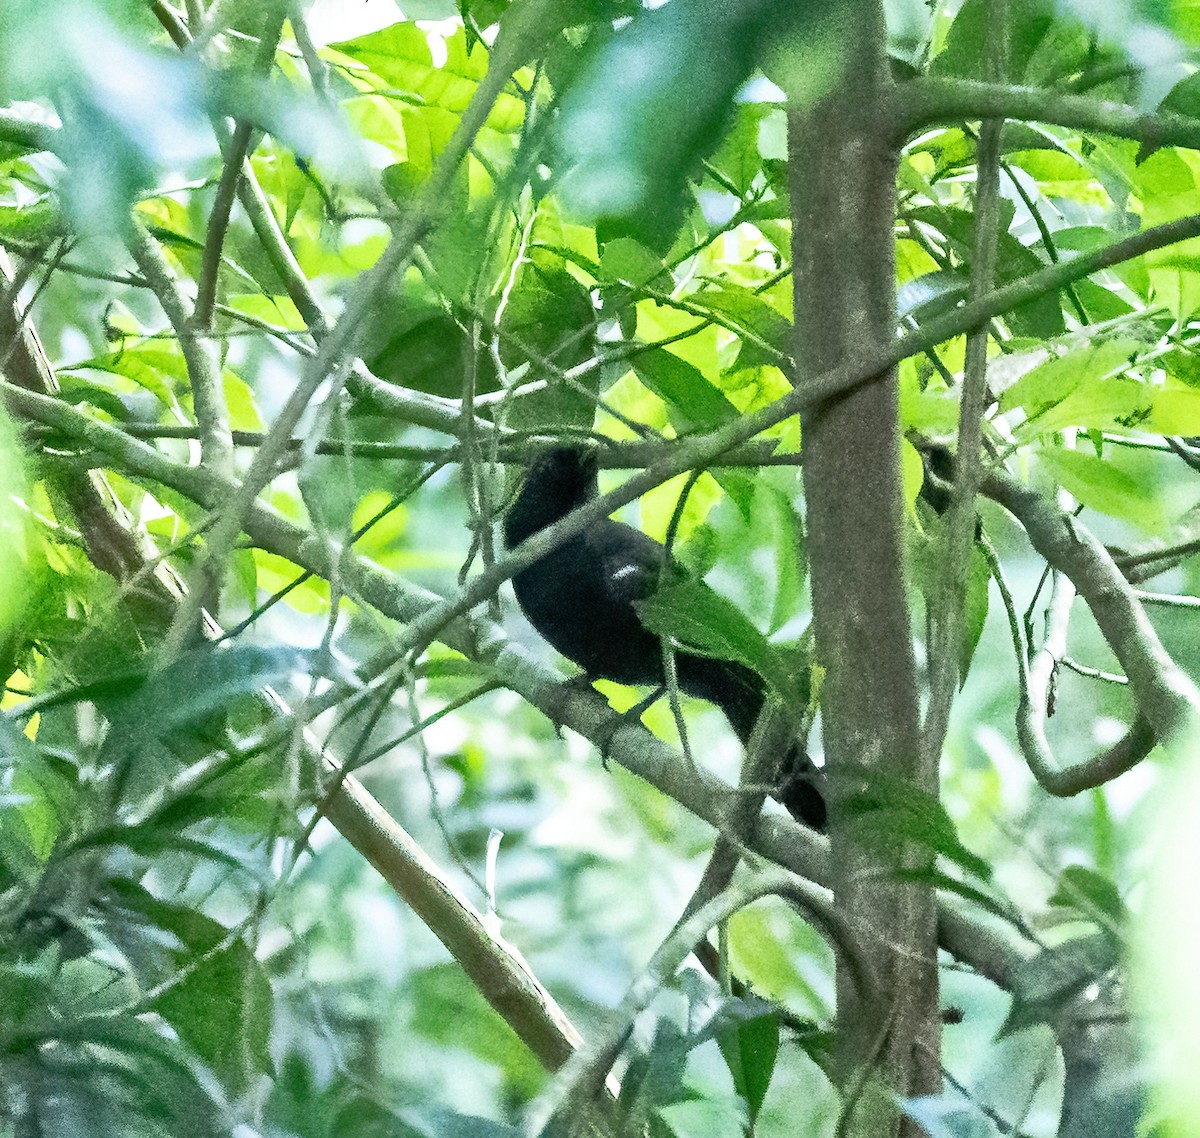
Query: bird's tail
(739, 693)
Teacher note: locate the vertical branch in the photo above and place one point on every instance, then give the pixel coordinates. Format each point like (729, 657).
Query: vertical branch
(236, 155)
(958, 533)
(204, 376)
(842, 178)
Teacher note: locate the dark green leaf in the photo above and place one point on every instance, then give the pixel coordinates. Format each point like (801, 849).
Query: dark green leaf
(633, 140)
(696, 616)
(1091, 893)
(220, 1001)
(694, 402)
(1029, 22)
(975, 608)
(750, 1048)
(892, 810)
(1041, 318)
(433, 355)
(198, 683)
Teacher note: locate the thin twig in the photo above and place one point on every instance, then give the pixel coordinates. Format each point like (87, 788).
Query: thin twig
(208, 396)
(959, 530)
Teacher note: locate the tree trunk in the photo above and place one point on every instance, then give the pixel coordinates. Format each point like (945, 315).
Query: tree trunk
(842, 171)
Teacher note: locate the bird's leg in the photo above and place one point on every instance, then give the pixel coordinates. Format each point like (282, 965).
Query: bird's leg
(583, 682)
(632, 715)
(643, 705)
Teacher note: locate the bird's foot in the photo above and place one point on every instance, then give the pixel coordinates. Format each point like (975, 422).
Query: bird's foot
(563, 692)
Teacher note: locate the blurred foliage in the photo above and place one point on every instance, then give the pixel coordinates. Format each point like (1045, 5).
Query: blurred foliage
(186, 947)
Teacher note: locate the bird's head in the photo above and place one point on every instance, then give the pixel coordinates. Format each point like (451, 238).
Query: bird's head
(560, 480)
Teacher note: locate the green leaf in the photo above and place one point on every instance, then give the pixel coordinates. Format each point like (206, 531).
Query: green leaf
(445, 1001)
(626, 261)
(700, 618)
(739, 157)
(1029, 22)
(150, 366)
(1098, 405)
(38, 223)
(754, 546)
(975, 608)
(274, 574)
(17, 542)
(1100, 485)
(427, 130)
(241, 402)
(694, 401)
(1041, 318)
(950, 149)
(979, 897)
(550, 312)
(400, 56)
(932, 294)
(631, 138)
(892, 810)
(1184, 97)
(278, 310)
(655, 1077)
(76, 390)
(1091, 893)
(432, 355)
(1050, 383)
(1174, 411)
(750, 1048)
(1100, 303)
(199, 683)
(751, 312)
(709, 1117)
(222, 1008)
(550, 315)
(220, 1000)
(127, 1077)
(768, 946)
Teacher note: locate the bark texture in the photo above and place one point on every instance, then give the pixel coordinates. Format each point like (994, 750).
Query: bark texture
(842, 171)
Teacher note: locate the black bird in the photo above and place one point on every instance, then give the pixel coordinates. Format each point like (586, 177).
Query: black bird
(580, 596)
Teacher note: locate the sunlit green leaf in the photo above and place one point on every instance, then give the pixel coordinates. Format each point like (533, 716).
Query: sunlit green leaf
(1100, 485)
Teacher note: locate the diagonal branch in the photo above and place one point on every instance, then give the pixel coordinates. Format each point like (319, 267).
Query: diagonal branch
(995, 953)
(204, 375)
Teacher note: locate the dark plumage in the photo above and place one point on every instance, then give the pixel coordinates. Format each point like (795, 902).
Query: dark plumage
(581, 596)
